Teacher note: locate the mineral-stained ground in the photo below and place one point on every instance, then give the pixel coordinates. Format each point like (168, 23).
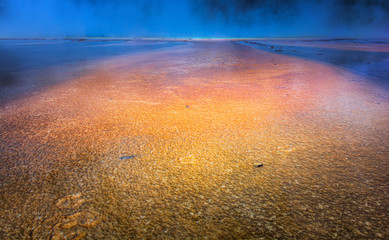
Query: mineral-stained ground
(168, 143)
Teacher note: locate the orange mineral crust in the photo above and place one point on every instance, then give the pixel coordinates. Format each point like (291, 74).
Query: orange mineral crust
(167, 144)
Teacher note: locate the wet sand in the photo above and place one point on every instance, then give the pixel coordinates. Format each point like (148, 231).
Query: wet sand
(163, 145)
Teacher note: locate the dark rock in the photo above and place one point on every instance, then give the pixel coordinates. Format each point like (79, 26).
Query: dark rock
(127, 157)
(187, 106)
(278, 50)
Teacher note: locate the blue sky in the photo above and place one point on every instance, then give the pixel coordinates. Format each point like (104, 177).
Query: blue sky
(194, 18)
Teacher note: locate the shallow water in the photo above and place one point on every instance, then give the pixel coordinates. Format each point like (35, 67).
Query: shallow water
(163, 145)
(367, 58)
(30, 65)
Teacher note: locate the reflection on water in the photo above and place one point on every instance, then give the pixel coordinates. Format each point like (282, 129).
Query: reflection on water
(367, 61)
(167, 148)
(29, 65)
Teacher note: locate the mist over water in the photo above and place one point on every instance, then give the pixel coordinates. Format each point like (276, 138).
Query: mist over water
(194, 18)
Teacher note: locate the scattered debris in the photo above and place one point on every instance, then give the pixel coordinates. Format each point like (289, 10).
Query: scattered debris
(260, 44)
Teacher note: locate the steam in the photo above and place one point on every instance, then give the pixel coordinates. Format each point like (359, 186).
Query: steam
(194, 18)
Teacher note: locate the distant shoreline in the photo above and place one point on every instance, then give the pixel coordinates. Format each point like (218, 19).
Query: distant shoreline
(376, 40)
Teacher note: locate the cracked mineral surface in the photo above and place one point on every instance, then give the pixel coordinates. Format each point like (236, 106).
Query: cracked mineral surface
(163, 143)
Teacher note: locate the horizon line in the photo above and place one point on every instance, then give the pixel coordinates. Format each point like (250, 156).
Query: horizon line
(184, 38)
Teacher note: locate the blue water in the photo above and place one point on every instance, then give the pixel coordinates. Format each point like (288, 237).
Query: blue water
(372, 65)
(20, 55)
(28, 65)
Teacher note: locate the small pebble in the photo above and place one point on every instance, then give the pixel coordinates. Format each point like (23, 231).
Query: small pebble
(187, 106)
(127, 157)
(258, 164)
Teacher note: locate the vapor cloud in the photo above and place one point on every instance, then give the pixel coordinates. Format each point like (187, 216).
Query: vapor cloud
(194, 18)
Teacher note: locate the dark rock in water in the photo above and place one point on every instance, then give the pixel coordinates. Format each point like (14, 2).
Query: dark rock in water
(320, 54)
(271, 47)
(258, 165)
(127, 157)
(187, 106)
(278, 50)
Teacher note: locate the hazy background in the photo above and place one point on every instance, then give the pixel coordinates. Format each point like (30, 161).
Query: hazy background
(194, 18)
